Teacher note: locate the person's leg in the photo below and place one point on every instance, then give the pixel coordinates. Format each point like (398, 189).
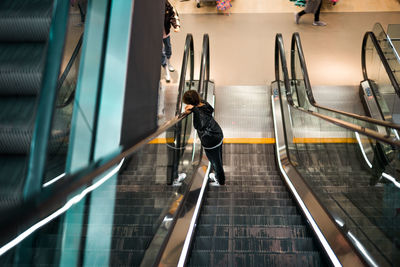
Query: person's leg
(317, 22)
(215, 157)
(168, 52)
(316, 15)
(167, 45)
(298, 15)
(163, 55)
(164, 62)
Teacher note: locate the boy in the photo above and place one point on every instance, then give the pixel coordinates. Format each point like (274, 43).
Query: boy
(209, 131)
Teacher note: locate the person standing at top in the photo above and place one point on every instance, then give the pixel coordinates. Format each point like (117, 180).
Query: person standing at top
(210, 133)
(312, 6)
(171, 18)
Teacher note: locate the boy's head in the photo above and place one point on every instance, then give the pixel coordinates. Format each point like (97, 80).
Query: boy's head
(191, 97)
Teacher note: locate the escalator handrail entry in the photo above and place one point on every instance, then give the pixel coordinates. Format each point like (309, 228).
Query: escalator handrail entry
(280, 54)
(296, 44)
(382, 57)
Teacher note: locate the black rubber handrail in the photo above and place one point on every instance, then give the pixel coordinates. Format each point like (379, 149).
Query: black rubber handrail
(188, 54)
(382, 57)
(66, 72)
(205, 67)
(204, 77)
(296, 44)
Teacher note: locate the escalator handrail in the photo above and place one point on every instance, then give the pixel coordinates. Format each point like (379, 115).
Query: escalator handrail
(280, 53)
(280, 62)
(205, 67)
(66, 72)
(204, 78)
(14, 220)
(188, 52)
(382, 57)
(296, 44)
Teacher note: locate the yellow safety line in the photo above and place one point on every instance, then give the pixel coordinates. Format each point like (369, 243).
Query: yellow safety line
(249, 140)
(299, 140)
(296, 140)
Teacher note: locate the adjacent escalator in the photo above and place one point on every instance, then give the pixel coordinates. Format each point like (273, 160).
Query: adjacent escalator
(346, 176)
(25, 51)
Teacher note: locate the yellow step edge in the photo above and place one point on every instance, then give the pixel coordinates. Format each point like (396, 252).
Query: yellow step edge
(296, 140)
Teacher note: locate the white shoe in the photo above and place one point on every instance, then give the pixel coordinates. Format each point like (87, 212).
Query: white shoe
(212, 177)
(319, 23)
(167, 75)
(170, 67)
(214, 183)
(181, 177)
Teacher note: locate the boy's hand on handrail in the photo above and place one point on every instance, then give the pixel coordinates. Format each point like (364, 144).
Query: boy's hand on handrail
(188, 109)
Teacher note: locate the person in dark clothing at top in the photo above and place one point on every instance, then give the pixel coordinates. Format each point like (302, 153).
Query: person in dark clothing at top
(171, 18)
(210, 133)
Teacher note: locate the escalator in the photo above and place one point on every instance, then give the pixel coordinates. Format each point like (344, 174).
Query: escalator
(336, 165)
(379, 91)
(146, 199)
(29, 70)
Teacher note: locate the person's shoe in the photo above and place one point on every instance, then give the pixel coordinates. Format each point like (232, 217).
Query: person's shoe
(296, 18)
(319, 23)
(170, 67)
(216, 183)
(181, 177)
(167, 74)
(212, 177)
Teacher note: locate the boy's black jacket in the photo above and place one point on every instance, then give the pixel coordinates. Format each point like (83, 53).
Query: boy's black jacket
(209, 131)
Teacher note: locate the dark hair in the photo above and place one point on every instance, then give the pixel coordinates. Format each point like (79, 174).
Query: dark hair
(191, 97)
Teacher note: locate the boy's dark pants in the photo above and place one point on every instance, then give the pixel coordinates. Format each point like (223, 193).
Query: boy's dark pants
(215, 157)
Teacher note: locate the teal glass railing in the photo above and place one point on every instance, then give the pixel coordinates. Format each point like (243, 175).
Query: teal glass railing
(341, 164)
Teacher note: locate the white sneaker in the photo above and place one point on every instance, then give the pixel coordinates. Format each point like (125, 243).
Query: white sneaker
(170, 67)
(181, 177)
(167, 75)
(214, 183)
(319, 23)
(212, 177)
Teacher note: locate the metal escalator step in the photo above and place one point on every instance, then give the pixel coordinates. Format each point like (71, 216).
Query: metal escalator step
(247, 202)
(21, 68)
(200, 258)
(254, 195)
(125, 258)
(131, 243)
(292, 231)
(246, 220)
(25, 20)
(248, 189)
(253, 210)
(255, 245)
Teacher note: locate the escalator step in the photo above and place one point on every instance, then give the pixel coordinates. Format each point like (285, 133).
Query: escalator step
(21, 68)
(245, 220)
(255, 245)
(248, 202)
(30, 19)
(292, 231)
(253, 210)
(200, 258)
